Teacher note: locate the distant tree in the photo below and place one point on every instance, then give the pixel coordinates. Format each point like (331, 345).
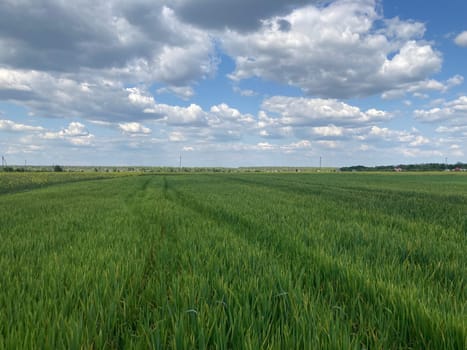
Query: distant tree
(406, 167)
(58, 168)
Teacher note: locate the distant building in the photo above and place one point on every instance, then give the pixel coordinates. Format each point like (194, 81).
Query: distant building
(398, 169)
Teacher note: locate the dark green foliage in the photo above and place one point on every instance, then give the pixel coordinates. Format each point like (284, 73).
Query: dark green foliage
(409, 167)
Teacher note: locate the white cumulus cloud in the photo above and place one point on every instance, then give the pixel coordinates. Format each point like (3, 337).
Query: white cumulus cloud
(134, 128)
(461, 39)
(301, 111)
(330, 130)
(76, 133)
(10, 125)
(453, 113)
(334, 51)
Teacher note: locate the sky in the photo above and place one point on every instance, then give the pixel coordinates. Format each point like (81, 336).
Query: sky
(229, 83)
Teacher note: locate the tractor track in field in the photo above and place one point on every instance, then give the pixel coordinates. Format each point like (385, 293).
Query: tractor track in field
(339, 281)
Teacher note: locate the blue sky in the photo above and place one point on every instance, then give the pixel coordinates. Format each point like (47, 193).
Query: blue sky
(233, 83)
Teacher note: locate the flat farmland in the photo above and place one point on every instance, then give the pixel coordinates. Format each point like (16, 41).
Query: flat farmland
(234, 261)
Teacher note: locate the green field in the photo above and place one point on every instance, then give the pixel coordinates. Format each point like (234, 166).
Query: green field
(233, 261)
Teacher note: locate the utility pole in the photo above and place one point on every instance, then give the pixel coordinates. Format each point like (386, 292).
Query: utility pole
(180, 165)
(320, 162)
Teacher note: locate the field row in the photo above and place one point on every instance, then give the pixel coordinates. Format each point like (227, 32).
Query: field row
(14, 182)
(338, 261)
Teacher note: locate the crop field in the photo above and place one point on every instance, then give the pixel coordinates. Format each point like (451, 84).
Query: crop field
(15, 182)
(235, 261)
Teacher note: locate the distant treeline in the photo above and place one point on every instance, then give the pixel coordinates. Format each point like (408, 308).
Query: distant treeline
(161, 169)
(409, 167)
(110, 169)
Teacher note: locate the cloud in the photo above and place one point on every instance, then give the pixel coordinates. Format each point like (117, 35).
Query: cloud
(9, 125)
(184, 92)
(75, 129)
(417, 153)
(112, 65)
(109, 103)
(140, 98)
(413, 138)
(244, 92)
(134, 128)
(335, 51)
(328, 131)
(224, 113)
(419, 89)
(241, 15)
(220, 122)
(452, 113)
(454, 81)
(461, 39)
(192, 115)
(413, 62)
(403, 29)
(14, 148)
(301, 111)
(141, 41)
(60, 96)
(453, 130)
(328, 144)
(286, 148)
(177, 136)
(264, 146)
(299, 145)
(14, 80)
(76, 133)
(316, 119)
(328, 123)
